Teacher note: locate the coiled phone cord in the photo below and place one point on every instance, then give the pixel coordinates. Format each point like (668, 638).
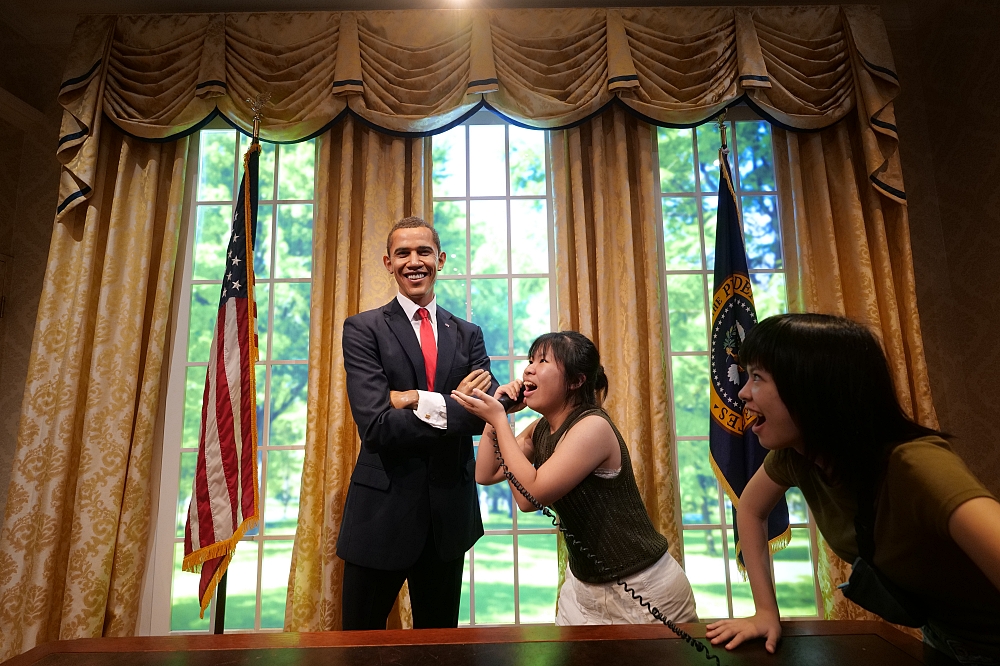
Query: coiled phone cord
(653, 610)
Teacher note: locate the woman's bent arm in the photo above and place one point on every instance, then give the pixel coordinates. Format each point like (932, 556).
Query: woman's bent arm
(975, 527)
(758, 499)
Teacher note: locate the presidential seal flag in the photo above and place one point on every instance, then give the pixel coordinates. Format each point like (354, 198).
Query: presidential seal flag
(224, 502)
(733, 448)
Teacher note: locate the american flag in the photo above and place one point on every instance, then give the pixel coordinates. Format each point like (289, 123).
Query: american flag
(224, 503)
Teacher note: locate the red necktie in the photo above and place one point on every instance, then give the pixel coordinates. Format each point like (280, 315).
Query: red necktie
(428, 347)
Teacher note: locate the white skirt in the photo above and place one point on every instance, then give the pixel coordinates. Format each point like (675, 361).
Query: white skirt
(663, 584)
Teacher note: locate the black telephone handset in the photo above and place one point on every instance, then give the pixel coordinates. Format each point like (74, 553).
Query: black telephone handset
(509, 402)
(653, 610)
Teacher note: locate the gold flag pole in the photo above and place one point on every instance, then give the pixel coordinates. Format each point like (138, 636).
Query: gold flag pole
(720, 120)
(257, 105)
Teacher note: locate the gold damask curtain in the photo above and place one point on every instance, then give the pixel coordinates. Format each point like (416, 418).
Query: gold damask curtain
(366, 181)
(74, 539)
(416, 72)
(848, 253)
(606, 260)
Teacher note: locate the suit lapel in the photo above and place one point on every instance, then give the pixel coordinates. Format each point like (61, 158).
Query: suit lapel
(403, 329)
(447, 337)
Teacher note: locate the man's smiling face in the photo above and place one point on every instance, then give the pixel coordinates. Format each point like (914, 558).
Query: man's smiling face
(414, 261)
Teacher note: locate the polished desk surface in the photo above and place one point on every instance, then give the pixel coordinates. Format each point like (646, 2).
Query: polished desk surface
(816, 643)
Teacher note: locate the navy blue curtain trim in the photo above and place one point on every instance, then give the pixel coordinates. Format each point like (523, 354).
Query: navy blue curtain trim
(626, 77)
(877, 68)
(483, 104)
(755, 77)
(82, 77)
(82, 192)
(348, 82)
(483, 82)
(887, 188)
(213, 82)
(74, 135)
(883, 124)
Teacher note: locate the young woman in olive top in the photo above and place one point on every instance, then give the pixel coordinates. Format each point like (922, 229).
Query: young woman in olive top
(574, 459)
(826, 409)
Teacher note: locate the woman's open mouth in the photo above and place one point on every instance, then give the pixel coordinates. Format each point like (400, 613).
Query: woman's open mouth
(529, 387)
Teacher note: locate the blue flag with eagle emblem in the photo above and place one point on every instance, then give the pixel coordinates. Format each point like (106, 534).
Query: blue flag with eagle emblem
(734, 450)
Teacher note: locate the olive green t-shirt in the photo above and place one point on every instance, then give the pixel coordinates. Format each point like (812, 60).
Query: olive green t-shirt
(925, 482)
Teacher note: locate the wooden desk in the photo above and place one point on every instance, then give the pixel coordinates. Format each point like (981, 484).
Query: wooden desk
(812, 643)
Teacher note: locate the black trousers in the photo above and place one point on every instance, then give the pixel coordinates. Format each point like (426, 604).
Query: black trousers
(435, 592)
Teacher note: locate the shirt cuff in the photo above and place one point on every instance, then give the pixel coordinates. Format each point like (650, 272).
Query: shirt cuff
(432, 410)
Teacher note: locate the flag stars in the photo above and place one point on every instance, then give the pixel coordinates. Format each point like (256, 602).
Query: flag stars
(237, 285)
(236, 261)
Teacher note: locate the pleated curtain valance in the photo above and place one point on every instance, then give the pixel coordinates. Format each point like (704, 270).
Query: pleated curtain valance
(417, 72)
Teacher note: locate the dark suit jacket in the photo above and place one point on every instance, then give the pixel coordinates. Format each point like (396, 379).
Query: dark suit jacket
(410, 478)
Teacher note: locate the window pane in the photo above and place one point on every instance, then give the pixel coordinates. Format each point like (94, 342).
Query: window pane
(201, 323)
(295, 227)
(709, 213)
(688, 322)
(449, 221)
(289, 386)
(529, 235)
(284, 474)
(705, 568)
(296, 168)
(262, 244)
(451, 296)
(463, 606)
(489, 311)
(211, 241)
(262, 294)
(763, 238)
(184, 606)
(691, 395)
(194, 394)
(216, 161)
(495, 504)
(753, 139)
(489, 236)
(532, 315)
(265, 175)
(261, 379)
(676, 151)
(537, 577)
(793, 577)
(185, 486)
(681, 241)
(768, 294)
(709, 142)
(274, 583)
(487, 176)
(527, 161)
(699, 487)
(494, 579)
(743, 605)
(291, 322)
(797, 511)
(448, 151)
(241, 587)
(501, 370)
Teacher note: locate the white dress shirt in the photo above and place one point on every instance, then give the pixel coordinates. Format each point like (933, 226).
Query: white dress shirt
(431, 408)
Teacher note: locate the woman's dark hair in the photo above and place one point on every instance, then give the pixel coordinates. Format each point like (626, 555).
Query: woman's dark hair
(833, 377)
(579, 358)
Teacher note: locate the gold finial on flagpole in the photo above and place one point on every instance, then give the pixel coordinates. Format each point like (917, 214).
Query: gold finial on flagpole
(257, 105)
(721, 122)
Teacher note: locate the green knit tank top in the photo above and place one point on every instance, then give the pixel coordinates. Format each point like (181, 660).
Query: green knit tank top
(606, 515)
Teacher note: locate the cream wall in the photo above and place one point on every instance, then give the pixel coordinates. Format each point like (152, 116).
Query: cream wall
(950, 143)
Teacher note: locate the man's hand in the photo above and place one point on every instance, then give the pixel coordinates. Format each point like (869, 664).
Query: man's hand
(734, 632)
(477, 379)
(404, 399)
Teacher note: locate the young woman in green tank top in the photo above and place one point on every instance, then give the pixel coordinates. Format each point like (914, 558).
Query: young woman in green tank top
(574, 459)
(823, 403)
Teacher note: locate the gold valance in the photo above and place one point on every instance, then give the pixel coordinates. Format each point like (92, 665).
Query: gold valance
(417, 72)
